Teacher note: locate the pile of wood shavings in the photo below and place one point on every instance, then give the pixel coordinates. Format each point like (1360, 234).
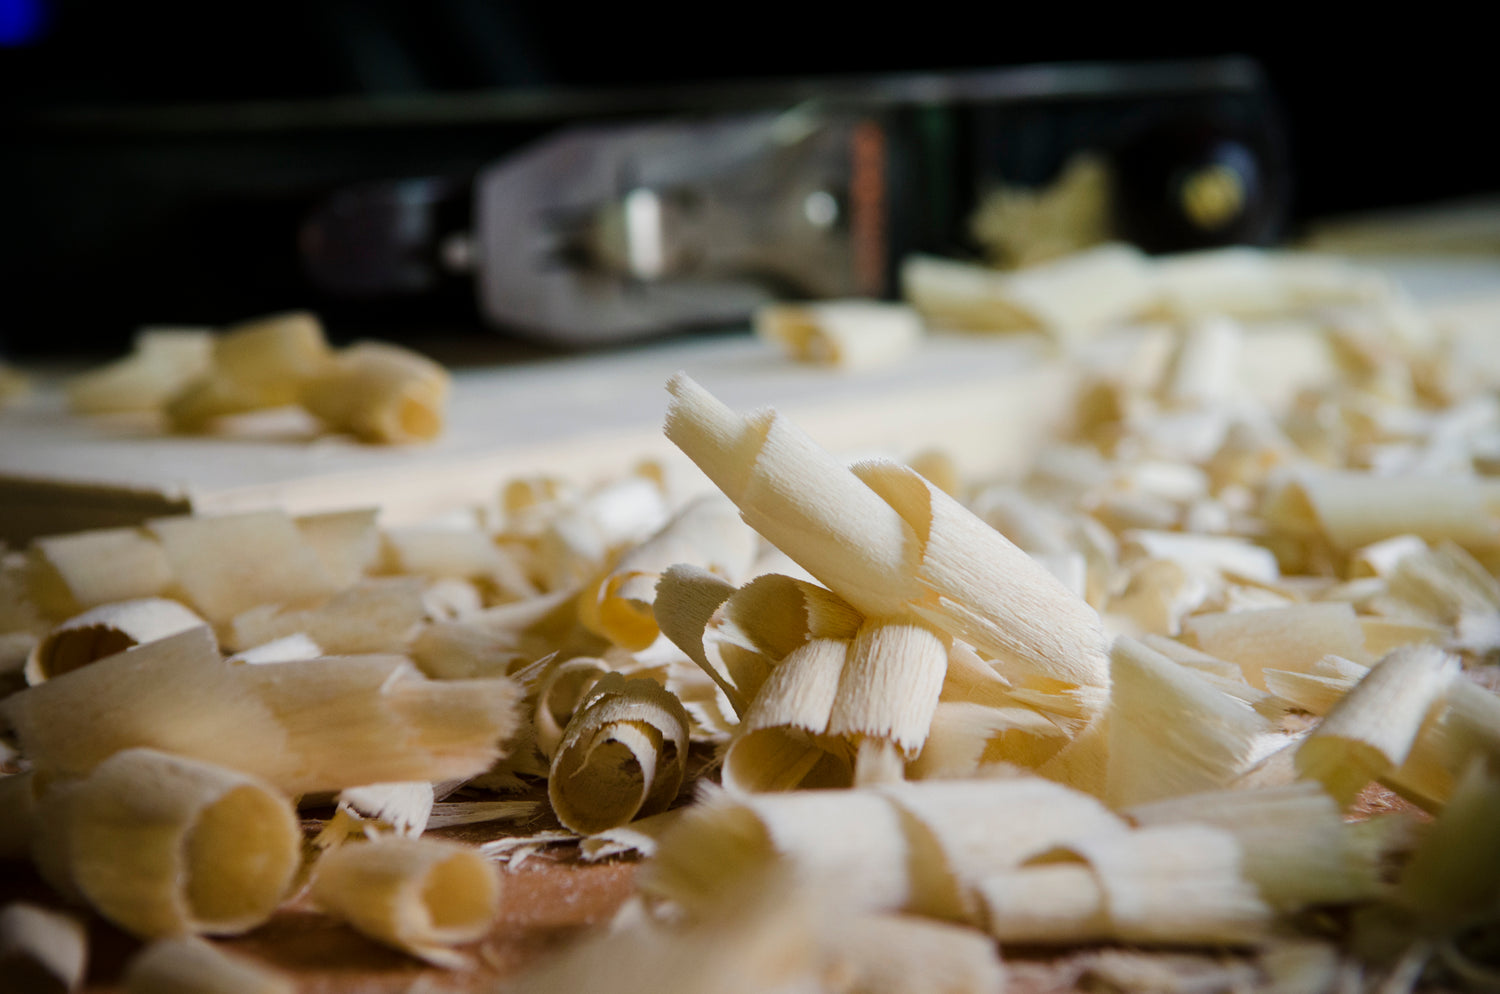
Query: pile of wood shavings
(1132, 743)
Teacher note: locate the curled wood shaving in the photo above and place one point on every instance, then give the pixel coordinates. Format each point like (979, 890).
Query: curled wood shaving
(161, 845)
(104, 631)
(418, 895)
(622, 755)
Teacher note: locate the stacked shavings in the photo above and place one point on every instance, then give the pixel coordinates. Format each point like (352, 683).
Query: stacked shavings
(195, 378)
(1128, 715)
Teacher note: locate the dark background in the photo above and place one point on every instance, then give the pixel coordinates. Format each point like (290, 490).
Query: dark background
(1378, 111)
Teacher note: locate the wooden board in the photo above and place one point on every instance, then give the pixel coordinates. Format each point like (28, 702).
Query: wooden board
(588, 418)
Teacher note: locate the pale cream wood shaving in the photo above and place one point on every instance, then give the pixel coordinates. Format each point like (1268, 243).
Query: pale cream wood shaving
(462, 552)
(347, 543)
(379, 392)
(257, 364)
(514, 850)
(452, 599)
(1251, 283)
(890, 684)
(1082, 764)
(162, 844)
(783, 739)
(377, 808)
(847, 334)
(966, 738)
(622, 755)
(288, 649)
(768, 618)
(849, 844)
(231, 563)
(41, 950)
(800, 498)
(1157, 597)
(1171, 884)
(686, 599)
(189, 965)
(974, 583)
(938, 466)
(421, 896)
(322, 724)
(380, 614)
(970, 678)
(1170, 732)
(1225, 554)
(575, 537)
(1352, 509)
(707, 532)
(1472, 721)
(1204, 368)
(1297, 848)
(1286, 638)
(468, 649)
(1314, 693)
(161, 363)
(1384, 634)
(1072, 298)
(104, 631)
(737, 636)
(1381, 558)
(1372, 729)
(977, 828)
(761, 939)
(902, 954)
(902, 846)
(562, 688)
(640, 837)
(74, 572)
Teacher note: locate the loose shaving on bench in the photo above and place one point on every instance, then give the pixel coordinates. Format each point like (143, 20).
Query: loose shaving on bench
(847, 334)
(257, 364)
(379, 392)
(164, 361)
(421, 896)
(161, 844)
